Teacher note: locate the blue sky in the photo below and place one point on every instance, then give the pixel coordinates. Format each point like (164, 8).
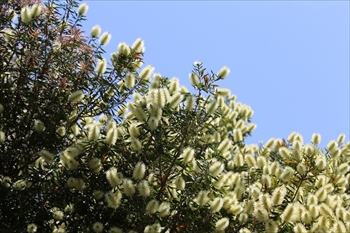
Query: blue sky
(289, 60)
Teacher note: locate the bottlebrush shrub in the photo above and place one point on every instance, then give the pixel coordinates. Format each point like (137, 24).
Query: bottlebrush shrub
(144, 154)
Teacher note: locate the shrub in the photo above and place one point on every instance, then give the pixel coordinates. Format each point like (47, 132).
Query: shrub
(89, 144)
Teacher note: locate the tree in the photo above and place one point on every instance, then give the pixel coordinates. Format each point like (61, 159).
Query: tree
(90, 145)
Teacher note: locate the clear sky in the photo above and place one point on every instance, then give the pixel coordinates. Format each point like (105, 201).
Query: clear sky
(289, 60)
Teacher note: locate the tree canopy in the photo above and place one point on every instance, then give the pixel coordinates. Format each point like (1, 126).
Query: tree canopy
(95, 145)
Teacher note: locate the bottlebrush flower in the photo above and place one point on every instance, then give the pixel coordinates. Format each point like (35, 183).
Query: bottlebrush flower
(105, 38)
(101, 66)
(36, 10)
(130, 80)
(95, 165)
(144, 189)
(216, 204)
(180, 183)
(139, 171)
(113, 198)
(316, 138)
(164, 209)
(222, 224)
(152, 206)
(216, 168)
(224, 71)
(123, 49)
(111, 136)
(138, 46)
(95, 31)
(202, 197)
(128, 187)
(112, 177)
(26, 15)
(146, 73)
(194, 79)
(187, 155)
(83, 8)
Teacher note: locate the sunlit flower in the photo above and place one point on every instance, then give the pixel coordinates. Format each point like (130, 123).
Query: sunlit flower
(95, 31)
(83, 8)
(105, 38)
(224, 71)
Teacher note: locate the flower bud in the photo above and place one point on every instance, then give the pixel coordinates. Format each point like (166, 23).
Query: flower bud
(105, 38)
(224, 71)
(138, 46)
(278, 195)
(83, 8)
(123, 49)
(145, 74)
(301, 168)
(216, 168)
(211, 107)
(26, 15)
(95, 165)
(316, 138)
(36, 10)
(113, 177)
(341, 138)
(111, 136)
(216, 204)
(95, 31)
(238, 160)
(222, 224)
(288, 213)
(343, 168)
(129, 80)
(144, 188)
(139, 171)
(224, 146)
(194, 79)
(94, 133)
(250, 160)
(164, 209)
(101, 66)
(189, 103)
(175, 100)
(180, 183)
(152, 123)
(187, 155)
(223, 91)
(113, 199)
(152, 206)
(128, 187)
(136, 144)
(202, 198)
(237, 135)
(284, 152)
